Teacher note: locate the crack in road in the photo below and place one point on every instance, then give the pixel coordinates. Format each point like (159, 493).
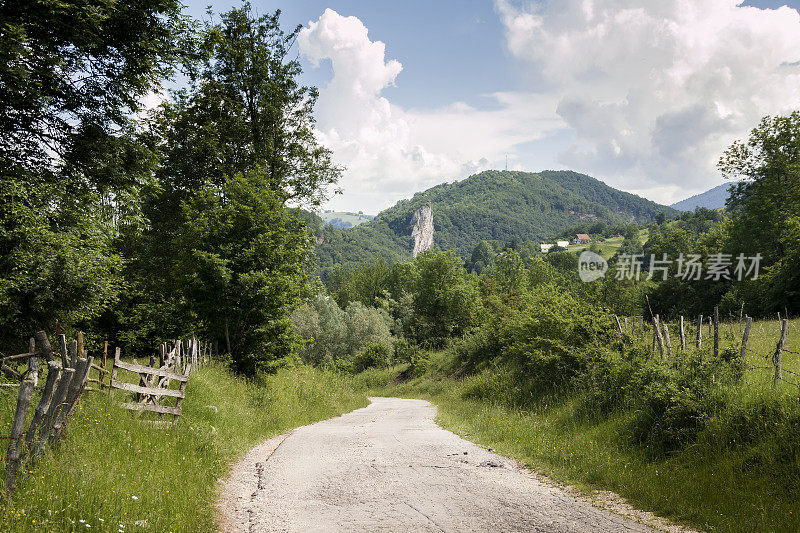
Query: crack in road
(362, 472)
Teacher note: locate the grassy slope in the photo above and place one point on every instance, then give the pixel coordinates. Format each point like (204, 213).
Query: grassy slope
(345, 216)
(713, 484)
(609, 246)
(113, 470)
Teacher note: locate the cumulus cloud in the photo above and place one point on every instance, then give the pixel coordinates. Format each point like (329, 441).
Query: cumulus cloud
(389, 152)
(654, 91)
(643, 94)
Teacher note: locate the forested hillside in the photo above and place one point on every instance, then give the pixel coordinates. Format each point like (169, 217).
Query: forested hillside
(493, 205)
(711, 199)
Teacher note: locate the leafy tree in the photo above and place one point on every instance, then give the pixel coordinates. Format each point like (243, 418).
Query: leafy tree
(363, 284)
(245, 108)
(322, 325)
(482, 257)
(70, 76)
(509, 275)
(241, 268)
(446, 297)
(762, 204)
(764, 208)
(237, 147)
(72, 159)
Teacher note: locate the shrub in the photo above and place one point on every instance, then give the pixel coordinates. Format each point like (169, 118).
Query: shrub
(608, 382)
(419, 362)
(375, 355)
(403, 351)
(675, 402)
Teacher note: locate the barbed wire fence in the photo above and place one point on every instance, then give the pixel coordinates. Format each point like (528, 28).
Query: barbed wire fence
(705, 335)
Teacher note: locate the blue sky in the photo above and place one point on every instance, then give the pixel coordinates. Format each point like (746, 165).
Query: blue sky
(481, 80)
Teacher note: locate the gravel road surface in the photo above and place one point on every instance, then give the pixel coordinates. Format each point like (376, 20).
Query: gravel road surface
(389, 467)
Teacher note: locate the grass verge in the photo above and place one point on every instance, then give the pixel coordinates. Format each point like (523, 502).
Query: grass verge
(115, 472)
(712, 484)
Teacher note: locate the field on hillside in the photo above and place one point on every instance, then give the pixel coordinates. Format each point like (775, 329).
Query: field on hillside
(608, 247)
(341, 219)
(116, 472)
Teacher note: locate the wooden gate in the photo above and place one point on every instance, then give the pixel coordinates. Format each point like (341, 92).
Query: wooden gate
(153, 390)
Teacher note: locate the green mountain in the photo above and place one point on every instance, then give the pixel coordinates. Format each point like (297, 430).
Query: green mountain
(711, 199)
(492, 205)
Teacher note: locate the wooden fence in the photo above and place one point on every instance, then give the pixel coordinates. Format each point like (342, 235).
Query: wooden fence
(68, 377)
(65, 382)
(637, 328)
(175, 364)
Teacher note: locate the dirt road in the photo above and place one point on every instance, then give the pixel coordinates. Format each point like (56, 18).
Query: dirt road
(389, 467)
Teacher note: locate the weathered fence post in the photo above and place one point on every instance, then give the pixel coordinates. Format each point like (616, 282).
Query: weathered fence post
(102, 375)
(669, 341)
(17, 428)
(657, 335)
(699, 331)
(746, 335)
(33, 362)
(56, 405)
(62, 346)
(179, 400)
(741, 314)
(777, 358)
(13, 453)
(53, 372)
(73, 394)
(80, 345)
(178, 348)
(683, 336)
(117, 351)
(73, 353)
(716, 331)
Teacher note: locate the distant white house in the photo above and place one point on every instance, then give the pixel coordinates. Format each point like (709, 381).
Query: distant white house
(562, 244)
(546, 247)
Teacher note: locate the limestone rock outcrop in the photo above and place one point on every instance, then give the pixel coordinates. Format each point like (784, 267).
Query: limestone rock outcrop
(423, 230)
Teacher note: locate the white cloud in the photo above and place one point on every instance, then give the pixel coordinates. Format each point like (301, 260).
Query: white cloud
(389, 152)
(655, 90)
(643, 94)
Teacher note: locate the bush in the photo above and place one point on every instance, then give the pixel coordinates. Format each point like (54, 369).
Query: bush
(675, 402)
(373, 356)
(419, 362)
(607, 383)
(403, 351)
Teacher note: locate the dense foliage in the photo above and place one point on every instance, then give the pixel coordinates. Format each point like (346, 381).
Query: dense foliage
(492, 206)
(72, 162)
(139, 228)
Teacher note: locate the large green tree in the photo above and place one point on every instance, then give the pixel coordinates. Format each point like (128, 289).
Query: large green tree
(225, 250)
(765, 207)
(768, 195)
(72, 160)
(446, 299)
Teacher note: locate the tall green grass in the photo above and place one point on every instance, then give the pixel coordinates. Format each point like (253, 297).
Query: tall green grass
(741, 472)
(117, 472)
